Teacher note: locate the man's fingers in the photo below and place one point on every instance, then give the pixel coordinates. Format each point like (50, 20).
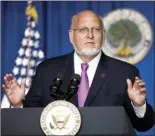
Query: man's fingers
(142, 84)
(7, 83)
(10, 75)
(6, 90)
(3, 86)
(136, 86)
(10, 78)
(23, 84)
(138, 81)
(14, 80)
(137, 77)
(6, 79)
(142, 89)
(139, 85)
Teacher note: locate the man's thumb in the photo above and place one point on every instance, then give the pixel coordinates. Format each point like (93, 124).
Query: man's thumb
(129, 83)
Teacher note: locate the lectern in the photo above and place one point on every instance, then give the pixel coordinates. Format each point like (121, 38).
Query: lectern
(103, 121)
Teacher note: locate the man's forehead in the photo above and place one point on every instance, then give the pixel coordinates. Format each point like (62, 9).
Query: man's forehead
(88, 20)
(87, 15)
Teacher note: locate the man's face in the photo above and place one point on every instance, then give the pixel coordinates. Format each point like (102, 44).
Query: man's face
(87, 35)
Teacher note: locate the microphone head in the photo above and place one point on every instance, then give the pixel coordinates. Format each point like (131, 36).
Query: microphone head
(58, 79)
(73, 87)
(75, 80)
(59, 76)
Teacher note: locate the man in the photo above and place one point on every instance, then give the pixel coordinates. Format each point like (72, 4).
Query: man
(104, 81)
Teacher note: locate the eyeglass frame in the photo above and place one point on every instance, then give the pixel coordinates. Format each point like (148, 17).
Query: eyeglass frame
(88, 29)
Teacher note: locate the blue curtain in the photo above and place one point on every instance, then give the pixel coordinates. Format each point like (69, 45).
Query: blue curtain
(54, 23)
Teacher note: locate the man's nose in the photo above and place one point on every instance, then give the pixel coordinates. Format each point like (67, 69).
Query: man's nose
(90, 34)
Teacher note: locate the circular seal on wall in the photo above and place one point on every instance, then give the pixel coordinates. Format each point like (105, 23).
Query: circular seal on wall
(128, 35)
(60, 118)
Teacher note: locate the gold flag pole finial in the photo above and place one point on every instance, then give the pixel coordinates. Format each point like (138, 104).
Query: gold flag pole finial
(31, 11)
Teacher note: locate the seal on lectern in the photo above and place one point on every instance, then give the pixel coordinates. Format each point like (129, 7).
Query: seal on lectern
(60, 118)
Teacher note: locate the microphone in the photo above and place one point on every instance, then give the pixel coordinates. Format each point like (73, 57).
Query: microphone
(73, 87)
(55, 87)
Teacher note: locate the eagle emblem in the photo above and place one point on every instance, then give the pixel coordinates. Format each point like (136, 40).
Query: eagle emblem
(60, 122)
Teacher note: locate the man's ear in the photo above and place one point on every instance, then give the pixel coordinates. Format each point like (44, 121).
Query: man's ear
(71, 36)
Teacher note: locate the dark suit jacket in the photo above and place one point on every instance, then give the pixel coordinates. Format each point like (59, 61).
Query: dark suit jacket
(109, 87)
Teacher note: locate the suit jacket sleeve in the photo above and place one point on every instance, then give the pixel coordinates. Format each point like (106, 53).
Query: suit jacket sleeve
(34, 96)
(140, 124)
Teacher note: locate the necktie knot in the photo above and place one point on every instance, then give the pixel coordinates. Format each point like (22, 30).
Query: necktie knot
(84, 66)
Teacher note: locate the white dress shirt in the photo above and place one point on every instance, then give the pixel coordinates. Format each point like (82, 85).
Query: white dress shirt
(140, 111)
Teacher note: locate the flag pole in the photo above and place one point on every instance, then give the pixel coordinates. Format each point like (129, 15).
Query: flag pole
(31, 14)
(29, 6)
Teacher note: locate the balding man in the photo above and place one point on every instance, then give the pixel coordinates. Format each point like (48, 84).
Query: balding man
(104, 81)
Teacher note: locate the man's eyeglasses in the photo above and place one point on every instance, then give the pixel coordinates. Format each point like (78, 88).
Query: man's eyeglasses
(85, 30)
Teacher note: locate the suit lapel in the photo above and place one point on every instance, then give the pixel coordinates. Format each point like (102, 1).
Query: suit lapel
(98, 80)
(68, 71)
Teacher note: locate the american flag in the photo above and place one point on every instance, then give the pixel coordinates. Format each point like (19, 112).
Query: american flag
(30, 53)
